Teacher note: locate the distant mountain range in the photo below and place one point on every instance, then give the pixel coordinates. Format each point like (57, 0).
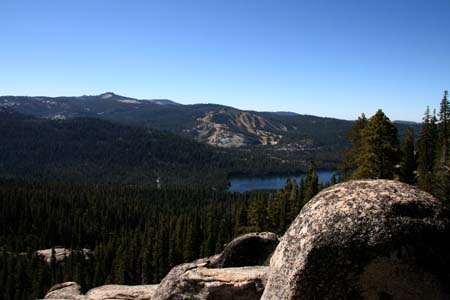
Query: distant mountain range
(208, 123)
(408, 123)
(213, 124)
(120, 139)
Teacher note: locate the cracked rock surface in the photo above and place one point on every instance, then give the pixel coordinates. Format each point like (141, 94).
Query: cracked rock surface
(196, 282)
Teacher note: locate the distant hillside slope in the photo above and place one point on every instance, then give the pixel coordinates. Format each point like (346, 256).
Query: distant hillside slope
(97, 151)
(209, 123)
(284, 141)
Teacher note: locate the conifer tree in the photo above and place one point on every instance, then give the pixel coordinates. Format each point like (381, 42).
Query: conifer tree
(257, 214)
(442, 162)
(191, 242)
(349, 161)
(426, 146)
(146, 263)
(379, 152)
(333, 180)
(408, 164)
(273, 210)
(53, 264)
(293, 204)
(302, 191)
(312, 183)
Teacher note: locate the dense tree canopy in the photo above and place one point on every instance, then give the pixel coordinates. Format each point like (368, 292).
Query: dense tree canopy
(136, 234)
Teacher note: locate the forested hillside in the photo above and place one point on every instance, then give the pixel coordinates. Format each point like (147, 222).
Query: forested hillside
(252, 143)
(101, 152)
(88, 150)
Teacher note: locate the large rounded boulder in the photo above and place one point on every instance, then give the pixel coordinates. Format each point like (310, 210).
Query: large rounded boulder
(368, 239)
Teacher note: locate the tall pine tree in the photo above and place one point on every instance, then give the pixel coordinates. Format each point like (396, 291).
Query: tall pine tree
(408, 164)
(349, 162)
(379, 153)
(426, 146)
(312, 183)
(442, 161)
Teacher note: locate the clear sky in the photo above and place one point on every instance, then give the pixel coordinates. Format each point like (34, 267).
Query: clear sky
(328, 58)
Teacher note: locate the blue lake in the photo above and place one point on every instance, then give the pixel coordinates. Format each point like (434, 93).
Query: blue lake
(245, 184)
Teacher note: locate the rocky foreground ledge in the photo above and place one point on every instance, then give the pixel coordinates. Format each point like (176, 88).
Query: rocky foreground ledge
(239, 272)
(368, 239)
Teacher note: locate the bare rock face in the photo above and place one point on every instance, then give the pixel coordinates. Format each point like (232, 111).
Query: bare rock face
(66, 290)
(252, 249)
(369, 239)
(236, 273)
(71, 290)
(60, 253)
(122, 292)
(193, 281)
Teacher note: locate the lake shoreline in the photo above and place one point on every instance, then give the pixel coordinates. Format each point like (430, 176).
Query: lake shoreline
(246, 183)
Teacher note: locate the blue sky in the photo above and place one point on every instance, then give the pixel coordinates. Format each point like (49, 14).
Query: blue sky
(327, 58)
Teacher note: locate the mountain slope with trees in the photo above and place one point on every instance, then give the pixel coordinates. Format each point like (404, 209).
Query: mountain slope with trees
(287, 140)
(101, 152)
(89, 150)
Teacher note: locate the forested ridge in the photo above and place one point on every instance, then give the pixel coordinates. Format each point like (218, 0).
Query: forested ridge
(89, 150)
(296, 139)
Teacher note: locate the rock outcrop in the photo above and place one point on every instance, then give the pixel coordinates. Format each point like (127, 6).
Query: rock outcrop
(236, 273)
(369, 239)
(66, 290)
(122, 292)
(196, 282)
(71, 290)
(252, 249)
(60, 253)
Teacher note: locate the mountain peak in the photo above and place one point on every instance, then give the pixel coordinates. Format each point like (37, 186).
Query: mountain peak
(107, 95)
